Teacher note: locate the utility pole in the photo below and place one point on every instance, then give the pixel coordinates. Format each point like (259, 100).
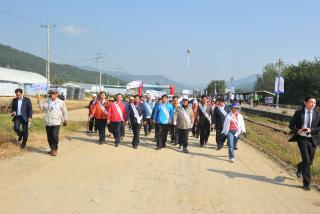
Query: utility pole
(98, 59)
(278, 85)
(48, 27)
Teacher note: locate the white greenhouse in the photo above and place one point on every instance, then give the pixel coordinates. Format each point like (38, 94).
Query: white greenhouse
(10, 79)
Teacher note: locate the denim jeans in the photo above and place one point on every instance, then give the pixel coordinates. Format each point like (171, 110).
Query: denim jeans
(232, 140)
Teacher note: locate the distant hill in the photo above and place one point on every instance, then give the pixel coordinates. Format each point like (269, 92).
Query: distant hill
(244, 84)
(147, 79)
(16, 59)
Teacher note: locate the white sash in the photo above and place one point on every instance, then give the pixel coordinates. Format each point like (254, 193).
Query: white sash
(55, 107)
(165, 110)
(119, 111)
(103, 108)
(222, 111)
(205, 113)
(186, 116)
(136, 114)
(149, 108)
(235, 121)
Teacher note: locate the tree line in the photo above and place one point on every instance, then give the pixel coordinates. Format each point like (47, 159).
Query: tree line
(299, 80)
(60, 73)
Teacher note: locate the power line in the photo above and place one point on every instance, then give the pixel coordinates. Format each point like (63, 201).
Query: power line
(89, 50)
(19, 14)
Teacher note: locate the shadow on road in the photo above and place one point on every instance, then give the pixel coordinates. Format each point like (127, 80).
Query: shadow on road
(278, 180)
(40, 150)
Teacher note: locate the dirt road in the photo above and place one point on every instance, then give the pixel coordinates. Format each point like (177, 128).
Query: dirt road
(90, 178)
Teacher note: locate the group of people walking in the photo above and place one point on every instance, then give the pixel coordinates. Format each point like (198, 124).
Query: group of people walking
(177, 116)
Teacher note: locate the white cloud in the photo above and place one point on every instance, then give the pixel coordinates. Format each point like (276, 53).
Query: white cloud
(73, 30)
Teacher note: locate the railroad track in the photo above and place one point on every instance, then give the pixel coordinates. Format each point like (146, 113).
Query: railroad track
(250, 118)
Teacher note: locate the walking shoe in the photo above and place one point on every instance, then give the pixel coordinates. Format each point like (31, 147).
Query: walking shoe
(135, 146)
(201, 145)
(20, 138)
(116, 145)
(306, 188)
(164, 146)
(121, 138)
(231, 160)
(158, 148)
(49, 153)
(185, 151)
(23, 145)
(54, 153)
(180, 147)
(219, 148)
(235, 148)
(299, 173)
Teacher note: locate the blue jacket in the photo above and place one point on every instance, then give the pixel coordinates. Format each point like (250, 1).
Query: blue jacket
(26, 108)
(159, 115)
(148, 114)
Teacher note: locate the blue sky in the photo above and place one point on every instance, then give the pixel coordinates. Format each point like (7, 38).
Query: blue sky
(228, 38)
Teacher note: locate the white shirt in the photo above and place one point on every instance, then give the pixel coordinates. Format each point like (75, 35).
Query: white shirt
(305, 122)
(19, 106)
(305, 125)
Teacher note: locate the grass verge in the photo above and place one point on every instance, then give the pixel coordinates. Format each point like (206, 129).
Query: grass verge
(276, 144)
(9, 145)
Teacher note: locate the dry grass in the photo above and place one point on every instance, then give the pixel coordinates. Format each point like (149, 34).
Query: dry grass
(9, 145)
(5, 103)
(276, 144)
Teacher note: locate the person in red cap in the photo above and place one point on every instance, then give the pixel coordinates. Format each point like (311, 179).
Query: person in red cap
(92, 121)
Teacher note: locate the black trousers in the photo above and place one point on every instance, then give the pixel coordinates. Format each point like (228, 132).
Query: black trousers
(101, 125)
(183, 137)
(220, 138)
(148, 126)
(116, 131)
(162, 135)
(109, 128)
(204, 133)
(53, 136)
(194, 127)
(174, 134)
(18, 121)
(136, 134)
(307, 151)
(123, 132)
(92, 123)
(156, 132)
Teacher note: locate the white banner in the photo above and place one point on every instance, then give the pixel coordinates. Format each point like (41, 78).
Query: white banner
(134, 84)
(187, 92)
(279, 85)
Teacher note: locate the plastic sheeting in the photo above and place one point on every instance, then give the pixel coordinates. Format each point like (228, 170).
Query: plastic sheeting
(7, 89)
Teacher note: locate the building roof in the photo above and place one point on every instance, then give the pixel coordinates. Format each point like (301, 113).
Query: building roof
(18, 76)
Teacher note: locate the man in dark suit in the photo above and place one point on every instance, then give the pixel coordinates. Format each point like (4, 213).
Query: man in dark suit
(219, 115)
(22, 116)
(305, 124)
(137, 116)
